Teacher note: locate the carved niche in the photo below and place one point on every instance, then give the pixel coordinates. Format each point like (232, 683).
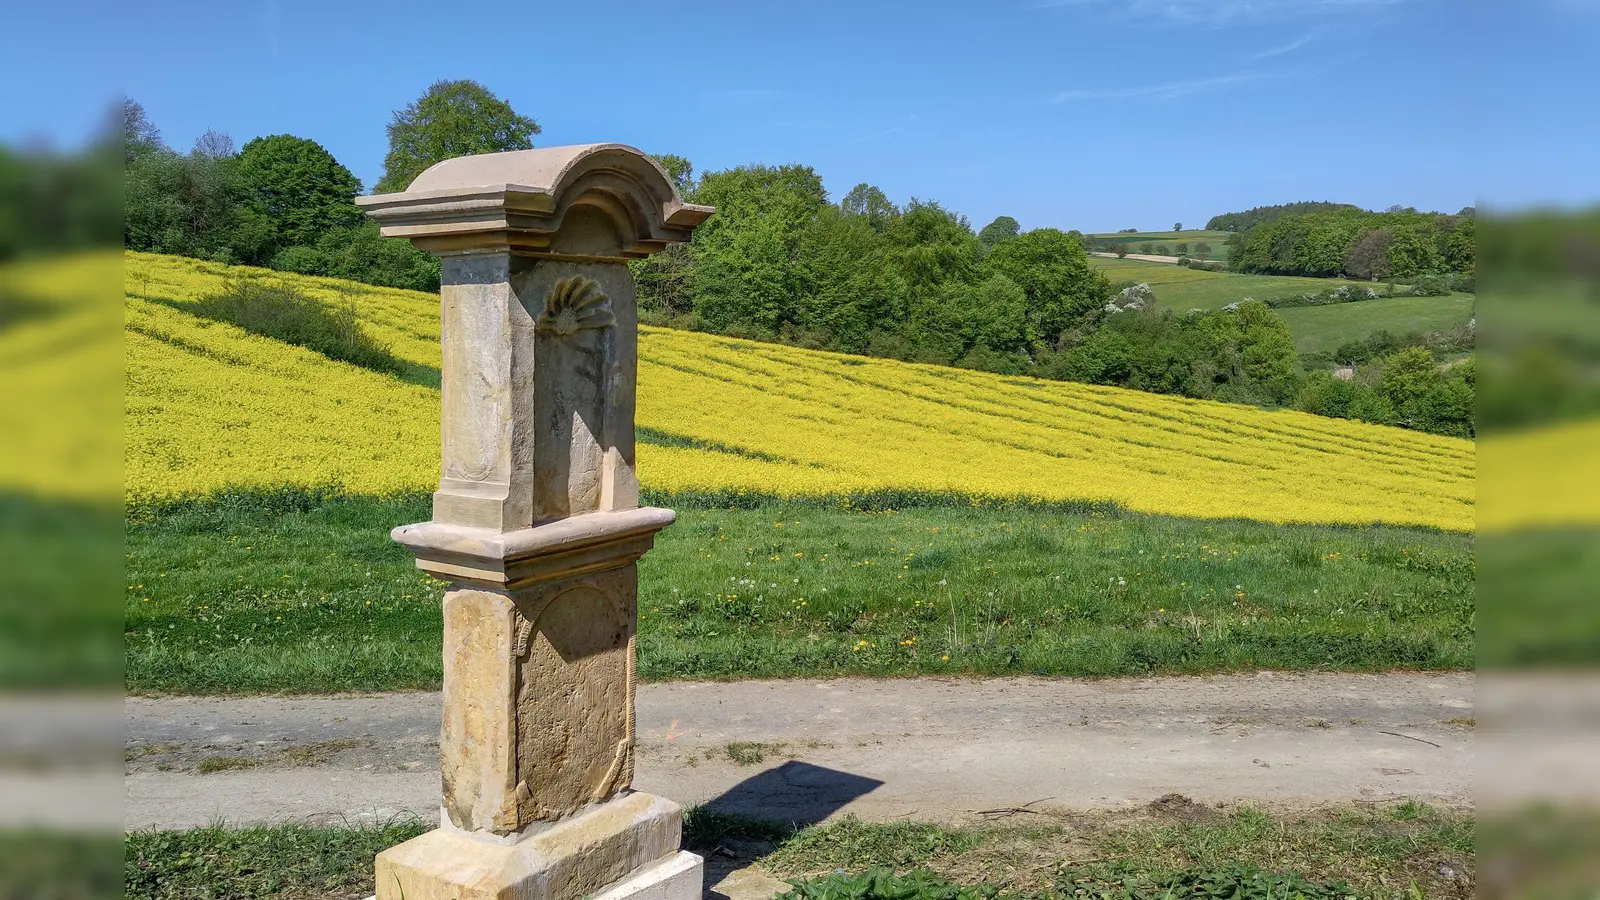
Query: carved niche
(575, 352)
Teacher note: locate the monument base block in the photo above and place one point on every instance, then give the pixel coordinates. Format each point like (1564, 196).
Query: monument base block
(623, 849)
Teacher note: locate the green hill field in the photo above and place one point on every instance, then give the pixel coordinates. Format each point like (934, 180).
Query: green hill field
(1165, 243)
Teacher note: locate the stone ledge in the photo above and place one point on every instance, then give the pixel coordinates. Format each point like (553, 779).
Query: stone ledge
(498, 560)
(680, 876)
(578, 857)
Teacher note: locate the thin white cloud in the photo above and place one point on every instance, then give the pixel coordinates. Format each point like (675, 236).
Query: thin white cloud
(1168, 91)
(1290, 47)
(1223, 12)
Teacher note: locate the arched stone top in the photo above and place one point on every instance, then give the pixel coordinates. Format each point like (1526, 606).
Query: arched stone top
(519, 201)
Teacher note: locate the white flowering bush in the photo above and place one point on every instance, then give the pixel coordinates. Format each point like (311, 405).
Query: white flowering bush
(1133, 297)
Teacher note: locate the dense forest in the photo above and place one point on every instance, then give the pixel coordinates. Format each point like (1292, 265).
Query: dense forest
(1261, 215)
(781, 261)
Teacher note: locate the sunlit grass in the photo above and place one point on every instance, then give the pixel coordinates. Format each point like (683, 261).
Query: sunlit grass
(225, 597)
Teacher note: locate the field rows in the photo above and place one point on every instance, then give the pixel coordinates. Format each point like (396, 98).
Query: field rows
(210, 407)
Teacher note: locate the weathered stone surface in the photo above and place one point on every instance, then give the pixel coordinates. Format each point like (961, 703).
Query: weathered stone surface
(574, 858)
(536, 525)
(574, 693)
(539, 367)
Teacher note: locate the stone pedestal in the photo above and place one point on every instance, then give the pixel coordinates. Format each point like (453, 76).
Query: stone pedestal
(537, 529)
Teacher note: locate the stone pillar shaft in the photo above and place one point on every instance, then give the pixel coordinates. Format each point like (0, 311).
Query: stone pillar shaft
(536, 526)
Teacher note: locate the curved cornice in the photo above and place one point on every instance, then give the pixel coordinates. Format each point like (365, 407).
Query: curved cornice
(516, 202)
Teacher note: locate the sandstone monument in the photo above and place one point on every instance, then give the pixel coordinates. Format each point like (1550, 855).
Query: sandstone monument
(537, 527)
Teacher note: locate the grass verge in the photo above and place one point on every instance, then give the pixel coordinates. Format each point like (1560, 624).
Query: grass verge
(1405, 850)
(238, 596)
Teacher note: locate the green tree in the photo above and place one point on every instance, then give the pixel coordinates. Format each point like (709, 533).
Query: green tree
(360, 253)
(192, 205)
(1000, 229)
(746, 277)
(1407, 374)
(1324, 394)
(451, 118)
(996, 313)
(1054, 273)
(1177, 226)
(868, 201)
(299, 187)
(848, 287)
(679, 171)
(1414, 250)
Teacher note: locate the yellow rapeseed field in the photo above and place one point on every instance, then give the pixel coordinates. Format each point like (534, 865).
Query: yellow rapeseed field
(209, 406)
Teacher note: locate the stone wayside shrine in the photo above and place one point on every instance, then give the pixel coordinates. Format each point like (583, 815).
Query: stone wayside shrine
(537, 527)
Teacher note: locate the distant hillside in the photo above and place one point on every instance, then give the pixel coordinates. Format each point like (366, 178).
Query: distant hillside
(211, 407)
(1250, 218)
(1207, 245)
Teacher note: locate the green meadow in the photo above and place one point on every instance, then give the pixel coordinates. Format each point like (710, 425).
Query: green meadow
(241, 594)
(1322, 329)
(1179, 288)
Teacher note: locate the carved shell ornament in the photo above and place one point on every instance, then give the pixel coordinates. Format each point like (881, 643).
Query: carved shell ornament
(574, 304)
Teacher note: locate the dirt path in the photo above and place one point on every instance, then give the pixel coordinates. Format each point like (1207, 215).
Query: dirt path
(1147, 257)
(929, 749)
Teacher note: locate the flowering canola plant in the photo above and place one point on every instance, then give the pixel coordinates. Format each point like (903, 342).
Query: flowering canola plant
(212, 407)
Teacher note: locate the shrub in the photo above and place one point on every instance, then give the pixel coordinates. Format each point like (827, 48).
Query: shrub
(1122, 250)
(1429, 286)
(1184, 260)
(1132, 297)
(1371, 406)
(283, 313)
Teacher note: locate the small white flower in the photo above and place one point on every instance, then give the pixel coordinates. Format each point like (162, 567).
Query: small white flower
(944, 581)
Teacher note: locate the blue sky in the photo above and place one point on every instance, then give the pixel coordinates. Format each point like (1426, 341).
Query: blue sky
(1089, 114)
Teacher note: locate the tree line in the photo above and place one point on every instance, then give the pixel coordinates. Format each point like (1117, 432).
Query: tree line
(1398, 244)
(1261, 215)
(284, 201)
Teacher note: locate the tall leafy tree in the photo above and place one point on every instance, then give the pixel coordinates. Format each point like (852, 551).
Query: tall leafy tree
(298, 186)
(679, 170)
(1001, 228)
(1054, 273)
(868, 201)
(451, 118)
